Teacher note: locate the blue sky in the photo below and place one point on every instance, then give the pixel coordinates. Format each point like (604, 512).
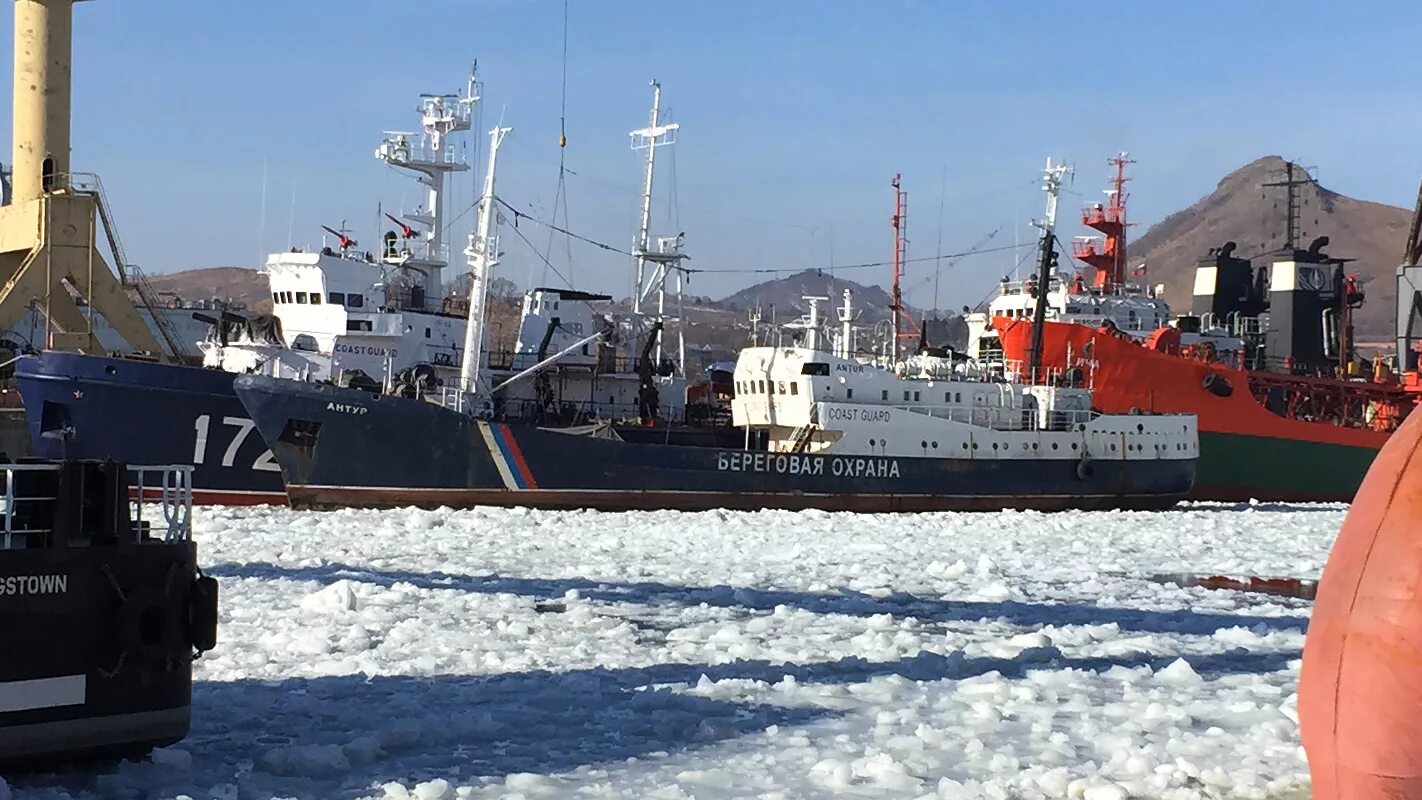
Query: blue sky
(795, 116)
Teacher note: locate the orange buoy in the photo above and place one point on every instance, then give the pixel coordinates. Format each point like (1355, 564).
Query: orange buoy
(1360, 691)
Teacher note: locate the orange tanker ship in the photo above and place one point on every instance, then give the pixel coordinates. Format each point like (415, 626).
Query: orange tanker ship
(1265, 359)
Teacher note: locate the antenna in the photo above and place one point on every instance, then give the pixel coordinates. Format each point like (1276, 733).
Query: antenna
(1291, 183)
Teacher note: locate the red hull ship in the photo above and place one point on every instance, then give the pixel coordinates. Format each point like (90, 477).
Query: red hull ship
(1287, 411)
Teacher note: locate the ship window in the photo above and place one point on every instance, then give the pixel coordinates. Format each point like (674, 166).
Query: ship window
(555, 305)
(355, 300)
(915, 397)
(585, 349)
(782, 387)
(884, 394)
(276, 297)
(794, 387)
(337, 298)
(315, 298)
(906, 395)
(815, 368)
(957, 397)
(301, 297)
(427, 333)
(849, 394)
(762, 388)
(358, 325)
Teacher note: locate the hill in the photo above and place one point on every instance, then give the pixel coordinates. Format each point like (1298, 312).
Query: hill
(232, 284)
(787, 296)
(1241, 210)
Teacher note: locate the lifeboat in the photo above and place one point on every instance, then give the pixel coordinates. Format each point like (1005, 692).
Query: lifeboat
(1360, 691)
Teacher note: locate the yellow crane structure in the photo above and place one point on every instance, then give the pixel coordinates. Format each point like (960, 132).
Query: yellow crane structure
(51, 229)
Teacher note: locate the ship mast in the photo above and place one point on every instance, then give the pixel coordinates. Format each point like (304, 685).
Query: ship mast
(430, 156)
(483, 254)
(1110, 220)
(1047, 261)
(653, 265)
(896, 305)
(1293, 230)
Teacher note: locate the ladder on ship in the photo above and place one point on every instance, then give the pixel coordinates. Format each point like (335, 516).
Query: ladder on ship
(800, 438)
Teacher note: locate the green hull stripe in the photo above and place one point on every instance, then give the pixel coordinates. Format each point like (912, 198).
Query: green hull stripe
(1269, 468)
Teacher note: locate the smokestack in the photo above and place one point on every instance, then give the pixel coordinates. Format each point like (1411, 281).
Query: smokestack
(43, 47)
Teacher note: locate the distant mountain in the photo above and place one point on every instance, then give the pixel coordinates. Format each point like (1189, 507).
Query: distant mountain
(1241, 210)
(239, 284)
(787, 296)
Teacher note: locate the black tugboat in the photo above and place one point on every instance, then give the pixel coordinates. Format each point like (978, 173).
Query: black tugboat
(104, 610)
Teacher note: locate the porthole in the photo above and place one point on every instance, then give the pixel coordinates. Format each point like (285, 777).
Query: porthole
(872, 442)
(994, 445)
(1034, 445)
(1073, 445)
(1113, 448)
(1054, 445)
(924, 445)
(935, 445)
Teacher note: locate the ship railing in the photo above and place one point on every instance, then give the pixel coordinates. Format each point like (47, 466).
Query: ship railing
(508, 360)
(1097, 216)
(1002, 417)
(1020, 286)
(160, 509)
(417, 250)
(1015, 371)
(401, 149)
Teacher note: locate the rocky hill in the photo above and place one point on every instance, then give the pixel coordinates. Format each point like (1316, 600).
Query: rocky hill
(1243, 211)
(786, 295)
(230, 284)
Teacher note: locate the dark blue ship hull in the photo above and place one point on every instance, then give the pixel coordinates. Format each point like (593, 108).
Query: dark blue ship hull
(343, 447)
(138, 412)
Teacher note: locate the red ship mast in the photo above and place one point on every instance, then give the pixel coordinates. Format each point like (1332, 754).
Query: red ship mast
(1108, 257)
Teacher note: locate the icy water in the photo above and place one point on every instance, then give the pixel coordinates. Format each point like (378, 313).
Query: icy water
(498, 653)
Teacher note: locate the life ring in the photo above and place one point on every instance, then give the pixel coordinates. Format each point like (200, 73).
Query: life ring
(1217, 384)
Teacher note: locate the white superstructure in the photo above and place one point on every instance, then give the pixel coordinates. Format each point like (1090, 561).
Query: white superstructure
(809, 399)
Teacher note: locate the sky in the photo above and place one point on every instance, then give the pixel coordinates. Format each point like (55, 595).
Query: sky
(224, 131)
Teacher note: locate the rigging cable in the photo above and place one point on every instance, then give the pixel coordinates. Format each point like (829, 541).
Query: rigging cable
(560, 197)
(755, 270)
